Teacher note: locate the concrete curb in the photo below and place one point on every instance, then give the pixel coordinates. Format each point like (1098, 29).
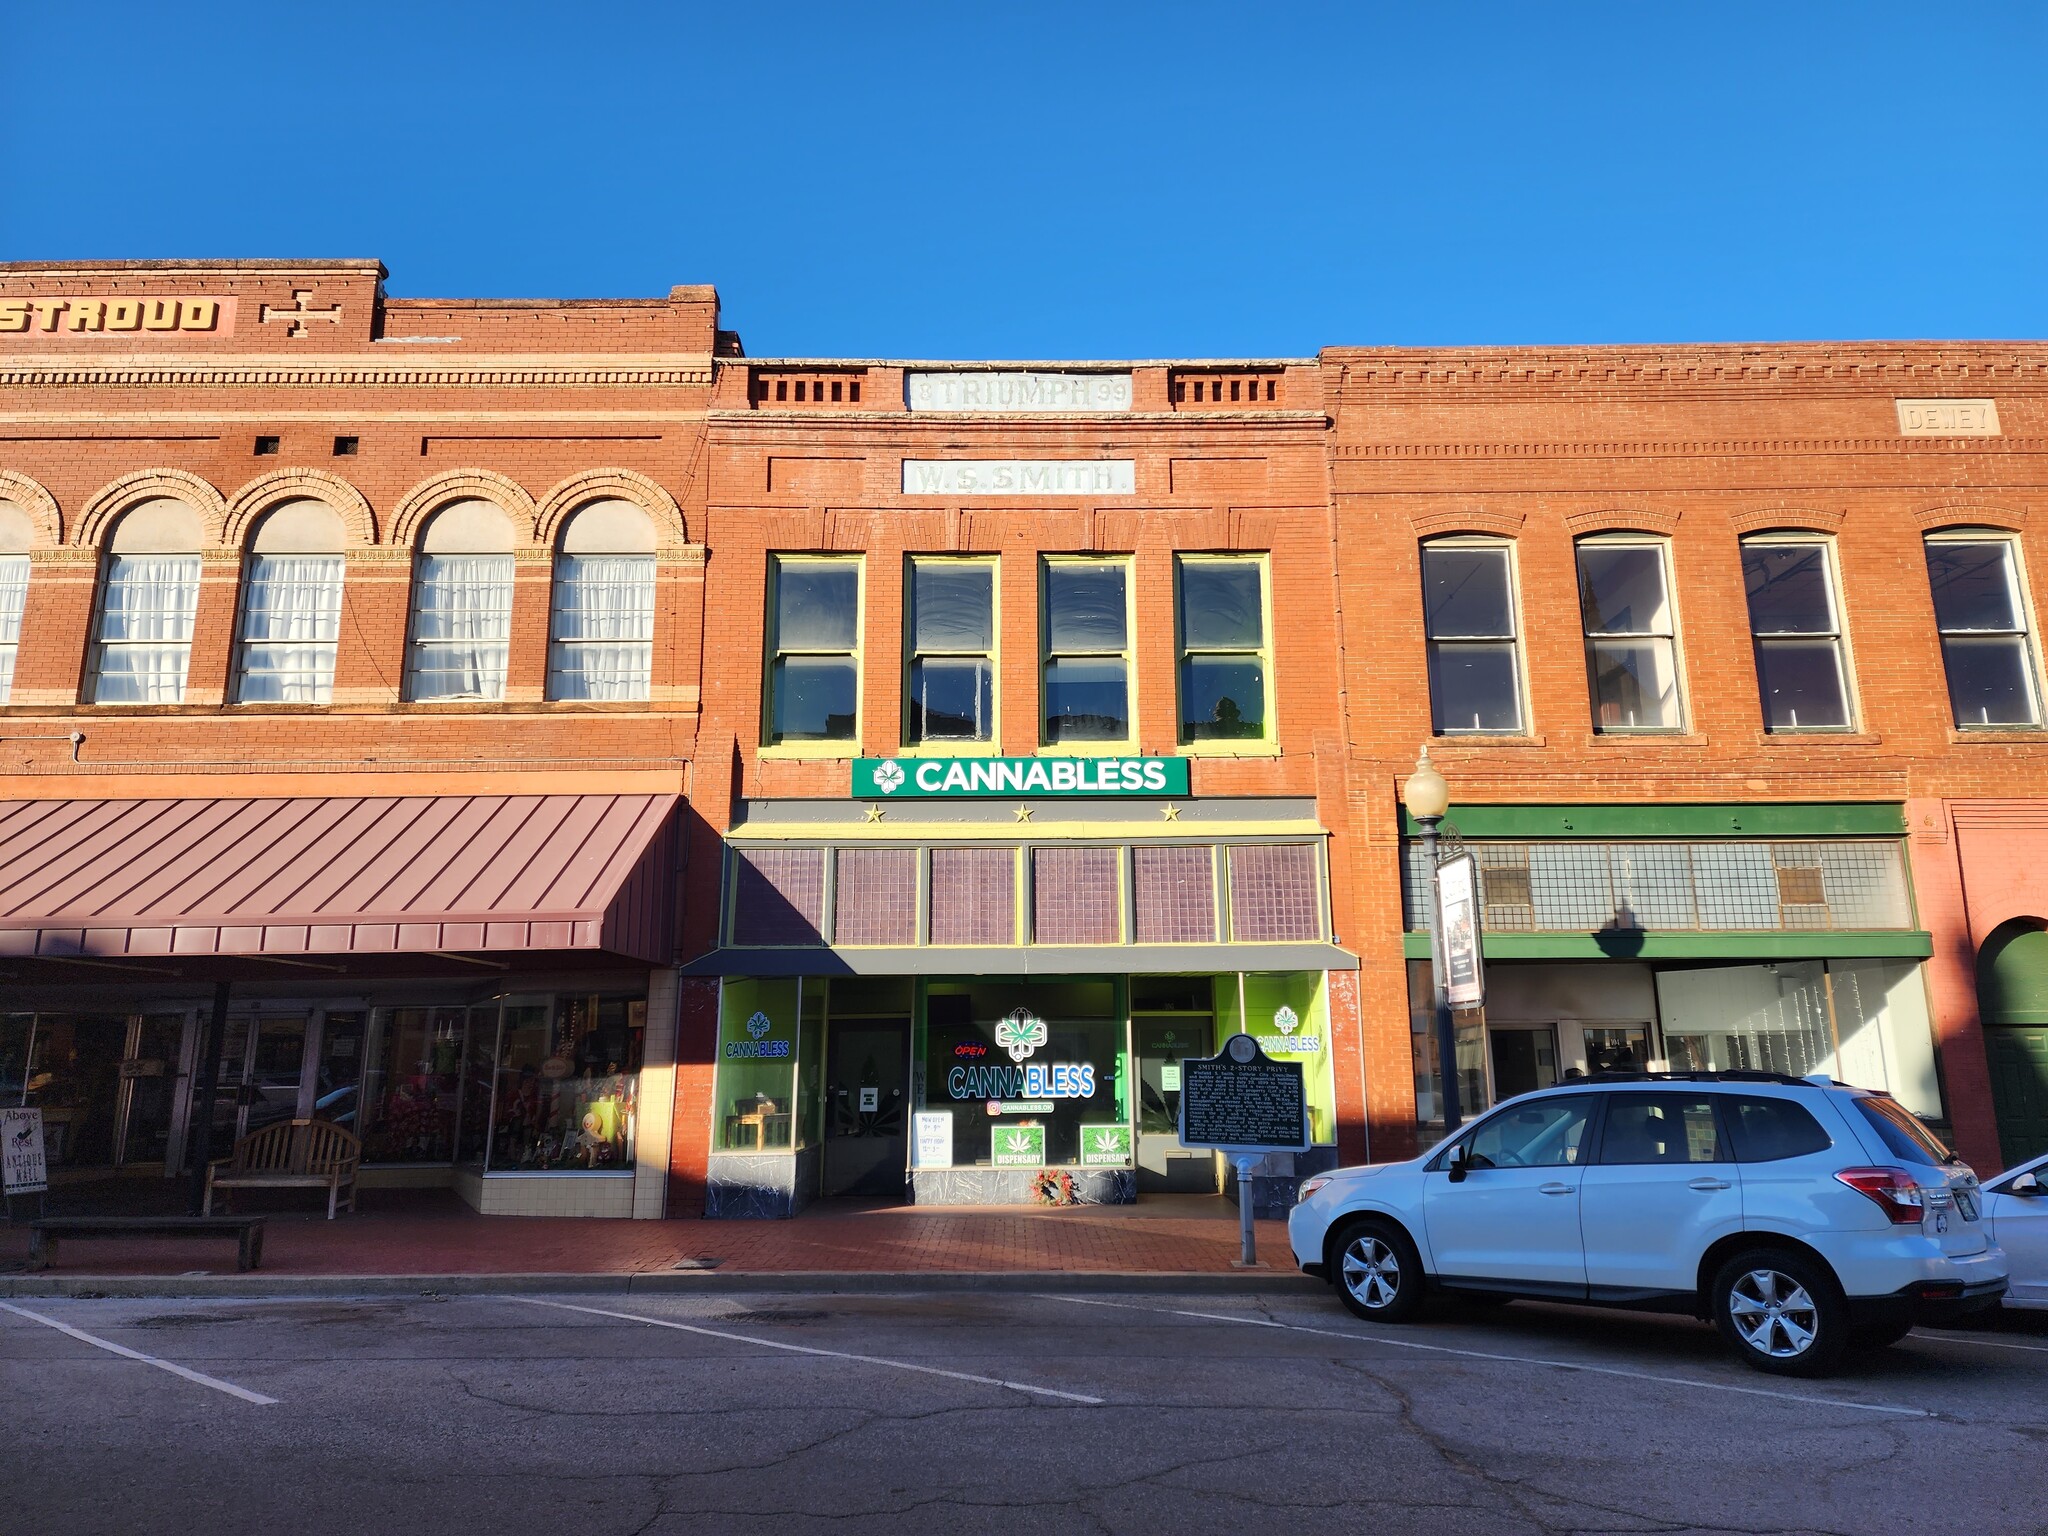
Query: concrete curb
(654, 1283)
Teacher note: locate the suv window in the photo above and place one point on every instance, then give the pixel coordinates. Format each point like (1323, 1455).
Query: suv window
(1767, 1130)
(1661, 1128)
(1904, 1137)
(1548, 1133)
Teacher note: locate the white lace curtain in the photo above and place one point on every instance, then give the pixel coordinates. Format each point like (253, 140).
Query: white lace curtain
(461, 626)
(13, 593)
(601, 629)
(291, 619)
(144, 645)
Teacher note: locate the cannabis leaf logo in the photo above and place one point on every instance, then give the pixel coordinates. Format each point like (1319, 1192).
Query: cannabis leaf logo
(759, 1025)
(888, 777)
(1287, 1020)
(1018, 1143)
(1020, 1034)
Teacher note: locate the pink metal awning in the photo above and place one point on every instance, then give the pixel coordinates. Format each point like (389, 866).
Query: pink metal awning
(323, 876)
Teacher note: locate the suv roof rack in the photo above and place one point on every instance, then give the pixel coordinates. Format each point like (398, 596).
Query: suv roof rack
(1727, 1075)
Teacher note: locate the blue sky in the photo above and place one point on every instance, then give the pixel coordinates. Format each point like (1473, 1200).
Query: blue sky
(1087, 180)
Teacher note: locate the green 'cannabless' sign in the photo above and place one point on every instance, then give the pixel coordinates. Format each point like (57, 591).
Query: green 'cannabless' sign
(996, 778)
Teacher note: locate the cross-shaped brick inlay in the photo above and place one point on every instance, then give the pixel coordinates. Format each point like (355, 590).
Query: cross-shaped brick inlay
(299, 313)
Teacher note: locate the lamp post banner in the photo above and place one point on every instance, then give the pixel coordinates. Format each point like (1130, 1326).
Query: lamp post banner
(1013, 778)
(1457, 895)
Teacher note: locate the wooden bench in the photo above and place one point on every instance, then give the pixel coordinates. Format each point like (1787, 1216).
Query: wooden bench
(295, 1154)
(247, 1230)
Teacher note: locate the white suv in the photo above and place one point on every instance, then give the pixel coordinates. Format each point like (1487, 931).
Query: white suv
(1799, 1215)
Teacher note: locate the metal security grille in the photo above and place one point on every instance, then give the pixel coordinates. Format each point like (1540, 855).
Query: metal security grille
(1565, 887)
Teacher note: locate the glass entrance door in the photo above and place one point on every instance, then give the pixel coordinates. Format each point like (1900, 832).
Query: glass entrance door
(149, 1082)
(867, 1098)
(1612, 1048)
(1164, 1166)
(1524, 1059)
(262, 1060)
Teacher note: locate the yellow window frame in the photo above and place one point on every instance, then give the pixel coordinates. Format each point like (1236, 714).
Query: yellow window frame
(774, 650)
(993, 744)
(1126, 743)
(1266, 743)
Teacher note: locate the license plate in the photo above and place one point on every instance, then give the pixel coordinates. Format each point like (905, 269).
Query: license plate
(1966, 1204)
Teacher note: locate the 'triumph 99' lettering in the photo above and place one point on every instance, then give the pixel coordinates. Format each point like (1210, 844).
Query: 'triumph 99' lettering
(102, 315)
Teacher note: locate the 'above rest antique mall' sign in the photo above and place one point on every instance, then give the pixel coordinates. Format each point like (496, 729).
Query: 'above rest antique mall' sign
(997, 778)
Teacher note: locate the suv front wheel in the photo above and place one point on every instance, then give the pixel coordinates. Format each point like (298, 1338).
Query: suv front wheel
(1782, 1311)
(1378, 1272)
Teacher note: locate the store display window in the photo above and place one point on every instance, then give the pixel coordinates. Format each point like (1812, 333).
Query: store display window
(1002, 1056)
(757, 1055)
(567, 1085)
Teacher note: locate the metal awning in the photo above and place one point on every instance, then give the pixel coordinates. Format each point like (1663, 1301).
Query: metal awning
(338, 875)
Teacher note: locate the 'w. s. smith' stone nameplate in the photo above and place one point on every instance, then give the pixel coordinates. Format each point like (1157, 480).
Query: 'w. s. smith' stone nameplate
(1027, 778)
(1020, 477)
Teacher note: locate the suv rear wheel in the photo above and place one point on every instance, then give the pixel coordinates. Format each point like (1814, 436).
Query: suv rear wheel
(1378, 1272)
(1782, 1311)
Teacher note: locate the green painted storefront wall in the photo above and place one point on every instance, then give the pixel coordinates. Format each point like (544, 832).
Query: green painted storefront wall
(1906, 944)
(1861, 819)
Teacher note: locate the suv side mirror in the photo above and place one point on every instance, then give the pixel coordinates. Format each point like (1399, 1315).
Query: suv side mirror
(1455, 1165)
(2027, 1184)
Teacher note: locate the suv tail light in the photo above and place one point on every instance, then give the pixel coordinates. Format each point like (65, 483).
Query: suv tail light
(1895, 1190)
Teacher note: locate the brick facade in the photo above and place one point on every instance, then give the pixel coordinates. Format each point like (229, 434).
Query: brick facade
(305, 381)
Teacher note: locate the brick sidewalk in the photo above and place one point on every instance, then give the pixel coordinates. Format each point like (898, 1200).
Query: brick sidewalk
(437, 1235)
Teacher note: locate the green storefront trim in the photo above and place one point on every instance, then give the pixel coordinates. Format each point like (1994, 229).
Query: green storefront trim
(1908, 944)
(1858, 819)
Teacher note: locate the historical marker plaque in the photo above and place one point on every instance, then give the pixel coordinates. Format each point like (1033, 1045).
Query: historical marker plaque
(1241, 1100)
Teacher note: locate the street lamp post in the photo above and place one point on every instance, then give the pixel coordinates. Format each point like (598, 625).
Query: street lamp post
(1427, 797)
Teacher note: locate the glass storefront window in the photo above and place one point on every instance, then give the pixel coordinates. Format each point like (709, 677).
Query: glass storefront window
(411, 1080)
(567, 1084)
(1287, 1012)
(810, 1071)
(1023, 1054)
(756, 1092)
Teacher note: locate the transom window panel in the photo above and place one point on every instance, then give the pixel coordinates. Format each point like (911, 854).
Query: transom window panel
(13, 596)
(952, 651)
(291, 607)
(1175, 894)
(1588, 887)
(1631, 657)
(778, 896)
(142, 645)
(1985, 644)
(974, 896)
(814, 650)
(601, 605)
(1224, 648)
(1087, 662)
(1275, 895)
(1468, 601)
(874, 896)
(1074, 895)
(1797, 634)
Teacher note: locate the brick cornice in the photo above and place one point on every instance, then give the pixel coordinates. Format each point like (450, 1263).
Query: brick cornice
(255, 373)
(1825, 366)
(1690, 448)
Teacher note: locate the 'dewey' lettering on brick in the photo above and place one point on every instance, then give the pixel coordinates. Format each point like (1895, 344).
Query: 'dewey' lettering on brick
(115, 315)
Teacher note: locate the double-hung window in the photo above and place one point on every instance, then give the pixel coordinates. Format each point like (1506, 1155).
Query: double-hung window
(291, 607)
(1468, 604)
(1086, 630)
(1797, 632)
(1224, 673)
(1631, 647)
(462, 605)
(952, 621)
(149, 596)
(813, 650)
(1981, 610)
(601, 608)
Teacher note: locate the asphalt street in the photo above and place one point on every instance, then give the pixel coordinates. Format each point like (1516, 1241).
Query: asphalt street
(985, 1412)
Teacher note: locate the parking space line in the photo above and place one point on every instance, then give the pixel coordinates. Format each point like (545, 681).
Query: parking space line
(1480, 1354)
(126, 1353)
(805, 1349)
(1944, 1338)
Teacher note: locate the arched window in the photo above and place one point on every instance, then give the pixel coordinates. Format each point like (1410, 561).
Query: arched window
(601, 624)
(291, 607)
(142, 645)
(462, 604)
(17, 532)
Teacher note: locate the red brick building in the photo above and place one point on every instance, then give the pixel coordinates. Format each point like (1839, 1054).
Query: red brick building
(614, 775)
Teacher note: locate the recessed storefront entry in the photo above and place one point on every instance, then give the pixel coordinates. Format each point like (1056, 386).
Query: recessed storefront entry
(867, 1077)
